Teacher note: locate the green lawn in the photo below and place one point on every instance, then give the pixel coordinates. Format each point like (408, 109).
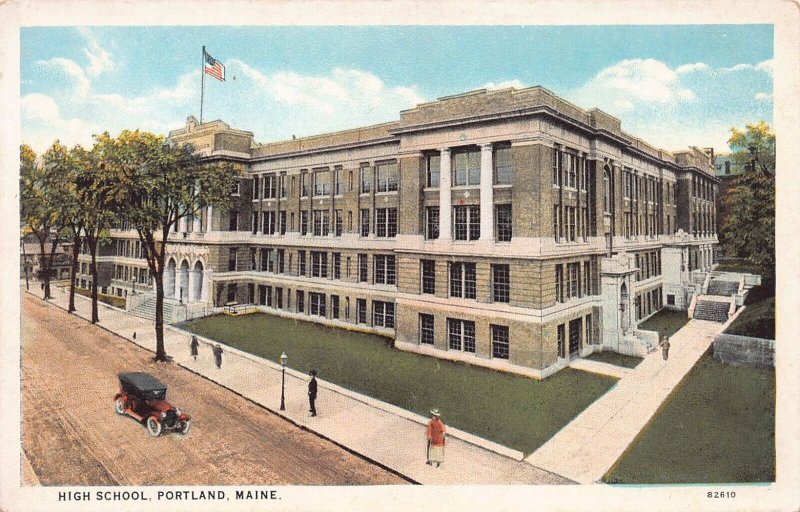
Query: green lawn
(514, 411)
(738, 265)
(615, 359)
(718, 427)
(665, 322)
(758, 319)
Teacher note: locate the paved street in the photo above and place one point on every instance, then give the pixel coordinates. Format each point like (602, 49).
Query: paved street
(380, 432)
(588, 446)
(72, 436)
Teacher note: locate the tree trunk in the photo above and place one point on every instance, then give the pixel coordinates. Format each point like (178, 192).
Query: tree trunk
(44, 268)
(93, 249)
(76, 242)
(161, 354)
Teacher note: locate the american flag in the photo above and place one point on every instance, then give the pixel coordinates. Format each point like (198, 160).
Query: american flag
(213, 67)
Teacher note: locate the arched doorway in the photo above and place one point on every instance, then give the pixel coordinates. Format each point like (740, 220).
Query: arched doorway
(623, 308)
(196, 282)
(169, 279)
(183, 283)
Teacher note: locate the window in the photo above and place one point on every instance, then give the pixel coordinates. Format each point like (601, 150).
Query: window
(349, 221)
(587, 278)
(428, 271)
(304, 184)
(559, 283)
(589, 330)
(383, 314)
(606, 191)
(337, 265)
(467, 222)
(432, 166)
(366, 179)
(385, 270)
(571, 170)
(236, 187)
(557, 166)
(279, 297)
(254, 223)
(316, 304)
(432, 222)
(362, 268)
(252, 259)
(268, 223)
(338, 180)
(319, 264)
(334, 306)
(301, 259)
(256, 187)
(502, 216)
(321, 222)
(462, 280)
(561, 341)
(270, 186)
(234, 221)
(232, 258)
(501, 283)
(361, 311)
(303, 222)
(322, 182)
(301, 301)
(467, 168)
(386, 177)
(570, 225)
(502, 165)
(386, 222)
(337, 223)
(426, 329)
(282, 222)
(281, 255)
(670, 300)
(500, 341)
(461, 335)
(364, 213)
(573, 270)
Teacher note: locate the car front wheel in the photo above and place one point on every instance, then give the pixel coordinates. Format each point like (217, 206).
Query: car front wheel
(119, 406)
(183, 428)
(153, 427)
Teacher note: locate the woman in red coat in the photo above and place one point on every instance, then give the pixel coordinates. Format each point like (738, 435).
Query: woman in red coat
(436, 434)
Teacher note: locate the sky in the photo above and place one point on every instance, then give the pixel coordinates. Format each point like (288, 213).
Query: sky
(673, 86)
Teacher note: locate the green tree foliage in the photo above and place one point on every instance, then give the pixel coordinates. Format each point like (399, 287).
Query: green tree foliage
(749, 229)
(158, 184)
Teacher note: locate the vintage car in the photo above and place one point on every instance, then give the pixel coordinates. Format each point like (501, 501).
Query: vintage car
(143, 397)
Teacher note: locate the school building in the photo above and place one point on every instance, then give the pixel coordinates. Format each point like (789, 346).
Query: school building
(504, 228)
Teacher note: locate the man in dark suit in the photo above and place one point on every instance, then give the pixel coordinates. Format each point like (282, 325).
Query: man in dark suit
(312, 393)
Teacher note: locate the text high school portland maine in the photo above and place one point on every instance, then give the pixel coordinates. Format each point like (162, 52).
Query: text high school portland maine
(505, 228)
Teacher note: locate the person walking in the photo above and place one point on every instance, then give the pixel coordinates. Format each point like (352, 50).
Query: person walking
(312, 393)
(436, 434)
(218, 355)
(194, 345)
(665, 348)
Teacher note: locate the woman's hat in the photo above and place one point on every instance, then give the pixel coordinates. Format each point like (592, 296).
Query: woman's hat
(435, 412)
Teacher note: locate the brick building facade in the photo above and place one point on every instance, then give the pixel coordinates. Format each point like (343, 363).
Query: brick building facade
(506, 228)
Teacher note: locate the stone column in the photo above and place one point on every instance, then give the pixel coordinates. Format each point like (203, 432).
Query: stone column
(177, 294)
(208, 214)
(445, 200)
(487, 193)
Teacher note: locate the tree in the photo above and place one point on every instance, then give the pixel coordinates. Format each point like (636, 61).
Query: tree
(748, 231)
(40, 202)
(73, 210)
(159, 184)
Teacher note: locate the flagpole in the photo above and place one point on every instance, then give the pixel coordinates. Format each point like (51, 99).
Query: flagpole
(202, 83)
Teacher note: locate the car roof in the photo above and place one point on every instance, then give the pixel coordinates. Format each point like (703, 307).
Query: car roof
(141, 381)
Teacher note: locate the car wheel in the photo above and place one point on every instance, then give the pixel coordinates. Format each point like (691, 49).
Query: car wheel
(153, 427)
(119, 406)
(183, 428)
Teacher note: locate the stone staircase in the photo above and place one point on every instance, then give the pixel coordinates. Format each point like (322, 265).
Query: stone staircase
(147, 309)
(723, 288)
(711, 310)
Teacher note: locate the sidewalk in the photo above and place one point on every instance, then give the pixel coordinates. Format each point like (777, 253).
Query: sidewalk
(591, 443)
(380, 432)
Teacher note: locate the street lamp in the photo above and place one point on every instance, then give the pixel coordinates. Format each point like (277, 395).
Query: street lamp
(284, 357)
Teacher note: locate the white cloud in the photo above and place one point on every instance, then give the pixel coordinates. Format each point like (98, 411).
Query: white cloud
(630, 83)
(691, 68)
(70, 68)
(43, 124)
(516, 83)
(764, 67)
(763, 96)
(99, 58)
